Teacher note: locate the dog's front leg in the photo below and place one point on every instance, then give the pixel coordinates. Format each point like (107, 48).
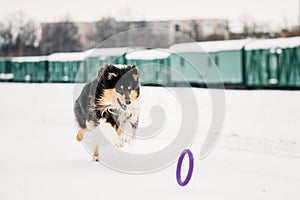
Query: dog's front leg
(134, 121)
(134, 128)
(111, 134)
(125, 137)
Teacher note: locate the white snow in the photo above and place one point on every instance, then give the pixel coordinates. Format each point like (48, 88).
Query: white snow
(69, 56)
(29, 58)
(258, 156)
(273, 43)
(210, 46)
(148, 54)
(6, 76)
(227, 45)
(103, 53)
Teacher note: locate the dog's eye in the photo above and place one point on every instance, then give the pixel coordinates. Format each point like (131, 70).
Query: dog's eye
(119, 89)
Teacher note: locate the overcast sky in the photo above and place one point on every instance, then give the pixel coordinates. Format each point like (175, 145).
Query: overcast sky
(275, 12)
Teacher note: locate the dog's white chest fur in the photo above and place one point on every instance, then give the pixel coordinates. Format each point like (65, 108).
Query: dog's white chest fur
(130, 114)
(122, 117)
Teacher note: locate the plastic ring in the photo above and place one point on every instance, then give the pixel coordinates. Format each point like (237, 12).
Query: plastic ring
(191, 167)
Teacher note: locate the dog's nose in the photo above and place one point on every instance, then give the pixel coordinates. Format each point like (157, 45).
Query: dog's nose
(127, 101)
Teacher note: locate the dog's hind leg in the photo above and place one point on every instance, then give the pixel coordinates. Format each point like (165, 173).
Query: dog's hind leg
(90, 125)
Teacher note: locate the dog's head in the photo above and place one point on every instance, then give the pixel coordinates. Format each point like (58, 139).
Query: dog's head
(122, 82)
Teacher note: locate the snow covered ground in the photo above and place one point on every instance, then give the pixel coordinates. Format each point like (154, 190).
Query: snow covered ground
(258, 156)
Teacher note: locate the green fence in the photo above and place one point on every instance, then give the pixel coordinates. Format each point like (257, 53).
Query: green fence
(30, 69)
(67, 67)
(154, 65)
(201, 62)
(5, 69)
(98, 57)
(248, 63)
(273, 63)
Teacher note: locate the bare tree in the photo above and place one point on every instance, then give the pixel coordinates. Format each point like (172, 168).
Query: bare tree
(60, 37)
(252, 28)
(196, 34)
(18, 35)
(249, 25)
(6, 39)
(102, 30)
(26, 37)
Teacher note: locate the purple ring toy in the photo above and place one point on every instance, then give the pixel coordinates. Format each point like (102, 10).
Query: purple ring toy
(191, 167)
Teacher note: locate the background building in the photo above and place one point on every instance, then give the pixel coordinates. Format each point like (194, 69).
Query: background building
(61, 36)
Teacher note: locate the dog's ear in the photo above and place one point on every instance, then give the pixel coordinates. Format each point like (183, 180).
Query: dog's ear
(109, 67)
(108, 72)
(134, 69)
(100, 73)
(135, 72)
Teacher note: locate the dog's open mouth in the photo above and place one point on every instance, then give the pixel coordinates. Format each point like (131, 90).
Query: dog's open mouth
(123, 106)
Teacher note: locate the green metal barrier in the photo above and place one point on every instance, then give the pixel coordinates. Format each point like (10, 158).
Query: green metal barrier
(288, 72)
(29, 69)
(67, 67)
(98, 57)
(251, 63)
(5, 69)
(273, 63)
(196, 62)
(273, 67)
(153, 64)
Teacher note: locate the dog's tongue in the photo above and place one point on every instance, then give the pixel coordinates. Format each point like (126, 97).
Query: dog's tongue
(123, 106)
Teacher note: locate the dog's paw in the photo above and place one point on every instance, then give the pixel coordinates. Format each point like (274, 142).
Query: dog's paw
(118, 143)
(95, 159)
(79, 137)
(126, 138)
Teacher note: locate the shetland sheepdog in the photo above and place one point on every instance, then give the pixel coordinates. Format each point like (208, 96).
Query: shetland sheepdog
(111, 99)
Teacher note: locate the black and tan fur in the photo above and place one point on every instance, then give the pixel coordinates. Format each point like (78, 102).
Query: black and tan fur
(110, 97)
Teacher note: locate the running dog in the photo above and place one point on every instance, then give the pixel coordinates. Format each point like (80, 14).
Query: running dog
(112, 99)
